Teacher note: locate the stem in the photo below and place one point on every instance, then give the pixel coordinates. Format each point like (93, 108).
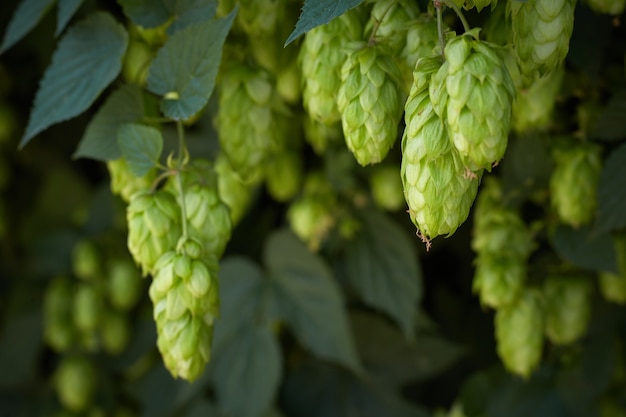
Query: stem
(450, 4)
(182, 160)
(442, 40)
(183, 208)
(371, 41)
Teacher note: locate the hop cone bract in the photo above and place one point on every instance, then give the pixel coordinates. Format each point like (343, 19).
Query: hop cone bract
(184, 293)
(574, 181)
(153, 227)
(541, 34)
(519, 334)
(208, 218)
(321, 57)
(124, 183)
(370, 101)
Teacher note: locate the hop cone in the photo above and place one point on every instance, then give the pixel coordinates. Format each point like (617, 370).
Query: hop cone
(321, 56)
(519, 334)
(613, 287)
(499, 280)
(124, 284)
(574, 182)
(208, 218)
(319, 135)
(247, 121)
(153, 227)
(124, 183)
(115, 332)
(283, 175)
(567, 307)
(437, 187)
(541, 33)
(612, 7)
(88, 307)
(391, 19)
(481, 4)
(533, 106)
(370, 101)
(477, 101)
(59, 332)
(76, 381)
(233, 192)
(386, 187)
(260, 17)
(184, 293)
(421, 39)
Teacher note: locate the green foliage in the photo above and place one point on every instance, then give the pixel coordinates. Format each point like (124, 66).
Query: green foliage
(316, 13)
(26, 16)
(141, 146)
(611, 193)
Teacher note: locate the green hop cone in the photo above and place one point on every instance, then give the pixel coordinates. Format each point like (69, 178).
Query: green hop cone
(612, 287)
(283, 175)
(541, 34)
(386, 187)
(370, 100)
(477, 101)
(574, 182)
(208, 218)
(184, 293)
(480, 4)
(534, 105)
(86, 262)
(499, 280)
(391, 19)
(59, 330)
(421, 39)
(320, 135)
(124, 183)
(311, 219)
(233, 192)
(115, 332)
(249, 121)
(612, 7)
(519, 334)
(75, 381)
(153, 227)
(124, 284)
(88, 307)
(260, 17)
(321, 57)
(567, 307)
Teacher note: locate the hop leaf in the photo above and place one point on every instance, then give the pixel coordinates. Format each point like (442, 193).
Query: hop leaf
(153, 227)
(370, 101)
(541, 34)
(519, 334)
(321, 57)
(574, 183)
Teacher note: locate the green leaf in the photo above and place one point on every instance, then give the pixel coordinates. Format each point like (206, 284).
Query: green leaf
(319, 12)
(241, 296)
(246, 372)
(67, 8)
(188, 12)
(586, 248)
(612, 193)
(141, 146)
(87, 59)
(25, 17)
(146, 13)
(382, 267)
(185, 68)
(610, 123)
(308, 298)
(125, 105)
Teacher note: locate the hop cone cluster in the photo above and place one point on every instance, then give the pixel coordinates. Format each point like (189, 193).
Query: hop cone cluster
(437, 186)
(567, 307)
(541, 34)
(153, 227)
(574, 181)
(612, 7)
(473, 92)
(124, 183)
(321, 57)
(260, 17)
(503, 245)
(370, 101)
(519, 333)
(248, 122)
(185, 297)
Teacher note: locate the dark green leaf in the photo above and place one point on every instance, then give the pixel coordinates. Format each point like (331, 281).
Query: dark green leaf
(394, 361)
(67, 8)
(589, 41)
(154, 391)
(189, 12)
(612, 193)
(99, 141)
(247, 371)
(308, 298)
(203, 408)
(317, 389)
(87, 59)
(319, 12)
(141, 146)
(242, 289)
(19, 347)
(185, 68)
(586, 248)
(25, 17)
(146, 13)
(382, 266)
(610, 124)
